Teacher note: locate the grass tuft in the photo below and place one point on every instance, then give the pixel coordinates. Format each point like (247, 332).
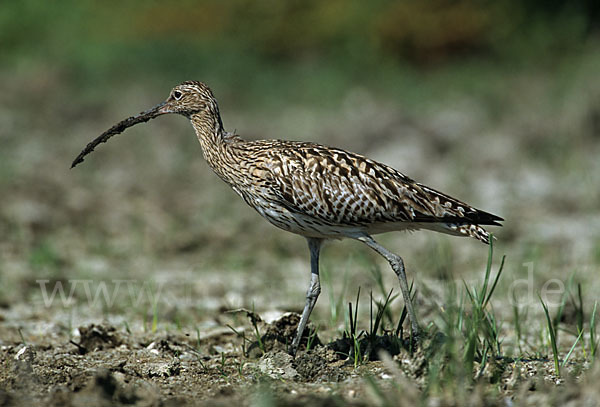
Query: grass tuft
(481, 327)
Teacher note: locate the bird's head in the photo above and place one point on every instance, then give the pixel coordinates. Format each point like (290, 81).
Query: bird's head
(188, 98)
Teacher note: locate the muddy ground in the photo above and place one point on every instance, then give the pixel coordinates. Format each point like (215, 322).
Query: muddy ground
(105, 365)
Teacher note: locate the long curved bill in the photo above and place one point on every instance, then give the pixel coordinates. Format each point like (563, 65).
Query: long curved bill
(119, 128)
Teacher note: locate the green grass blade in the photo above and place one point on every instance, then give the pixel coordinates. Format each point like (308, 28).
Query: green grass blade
(472, 296)
(579, 308)
(488, 271)
(593, 343)
(517, 322)
(552, 337)
(461, 313)
(563, 364)
(495, 281)
(381, 308)
(563, 301)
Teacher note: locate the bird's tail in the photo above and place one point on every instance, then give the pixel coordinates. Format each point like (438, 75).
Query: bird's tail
(469, 230)
(461, 229)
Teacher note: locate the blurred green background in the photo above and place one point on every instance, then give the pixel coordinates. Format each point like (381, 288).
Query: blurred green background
(495, 102)
(243, 45)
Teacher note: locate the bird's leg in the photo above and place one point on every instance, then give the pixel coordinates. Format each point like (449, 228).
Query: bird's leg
(398, 266)
(313, 292)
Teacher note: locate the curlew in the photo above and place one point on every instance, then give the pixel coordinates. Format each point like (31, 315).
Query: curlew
(316, 191)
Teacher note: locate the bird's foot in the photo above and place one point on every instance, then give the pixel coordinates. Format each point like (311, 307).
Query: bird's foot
(293, 350)
(416, 338)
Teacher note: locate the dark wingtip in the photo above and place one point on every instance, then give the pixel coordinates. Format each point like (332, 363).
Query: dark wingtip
(486, 218)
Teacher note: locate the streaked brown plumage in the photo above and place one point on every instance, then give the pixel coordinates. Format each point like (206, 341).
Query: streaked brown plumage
(315, 191)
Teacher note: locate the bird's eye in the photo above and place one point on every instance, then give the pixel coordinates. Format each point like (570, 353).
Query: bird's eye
(177, 95)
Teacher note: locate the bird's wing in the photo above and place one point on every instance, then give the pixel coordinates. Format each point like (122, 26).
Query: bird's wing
(338, 187)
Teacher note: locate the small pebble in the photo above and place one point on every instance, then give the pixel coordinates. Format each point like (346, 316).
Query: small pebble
(20, 352)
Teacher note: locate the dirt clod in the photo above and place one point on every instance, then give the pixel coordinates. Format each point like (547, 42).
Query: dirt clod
(97, 337)
(279, 335)
(319, 365)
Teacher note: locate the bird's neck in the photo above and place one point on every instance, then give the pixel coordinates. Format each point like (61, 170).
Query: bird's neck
(213, 139)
